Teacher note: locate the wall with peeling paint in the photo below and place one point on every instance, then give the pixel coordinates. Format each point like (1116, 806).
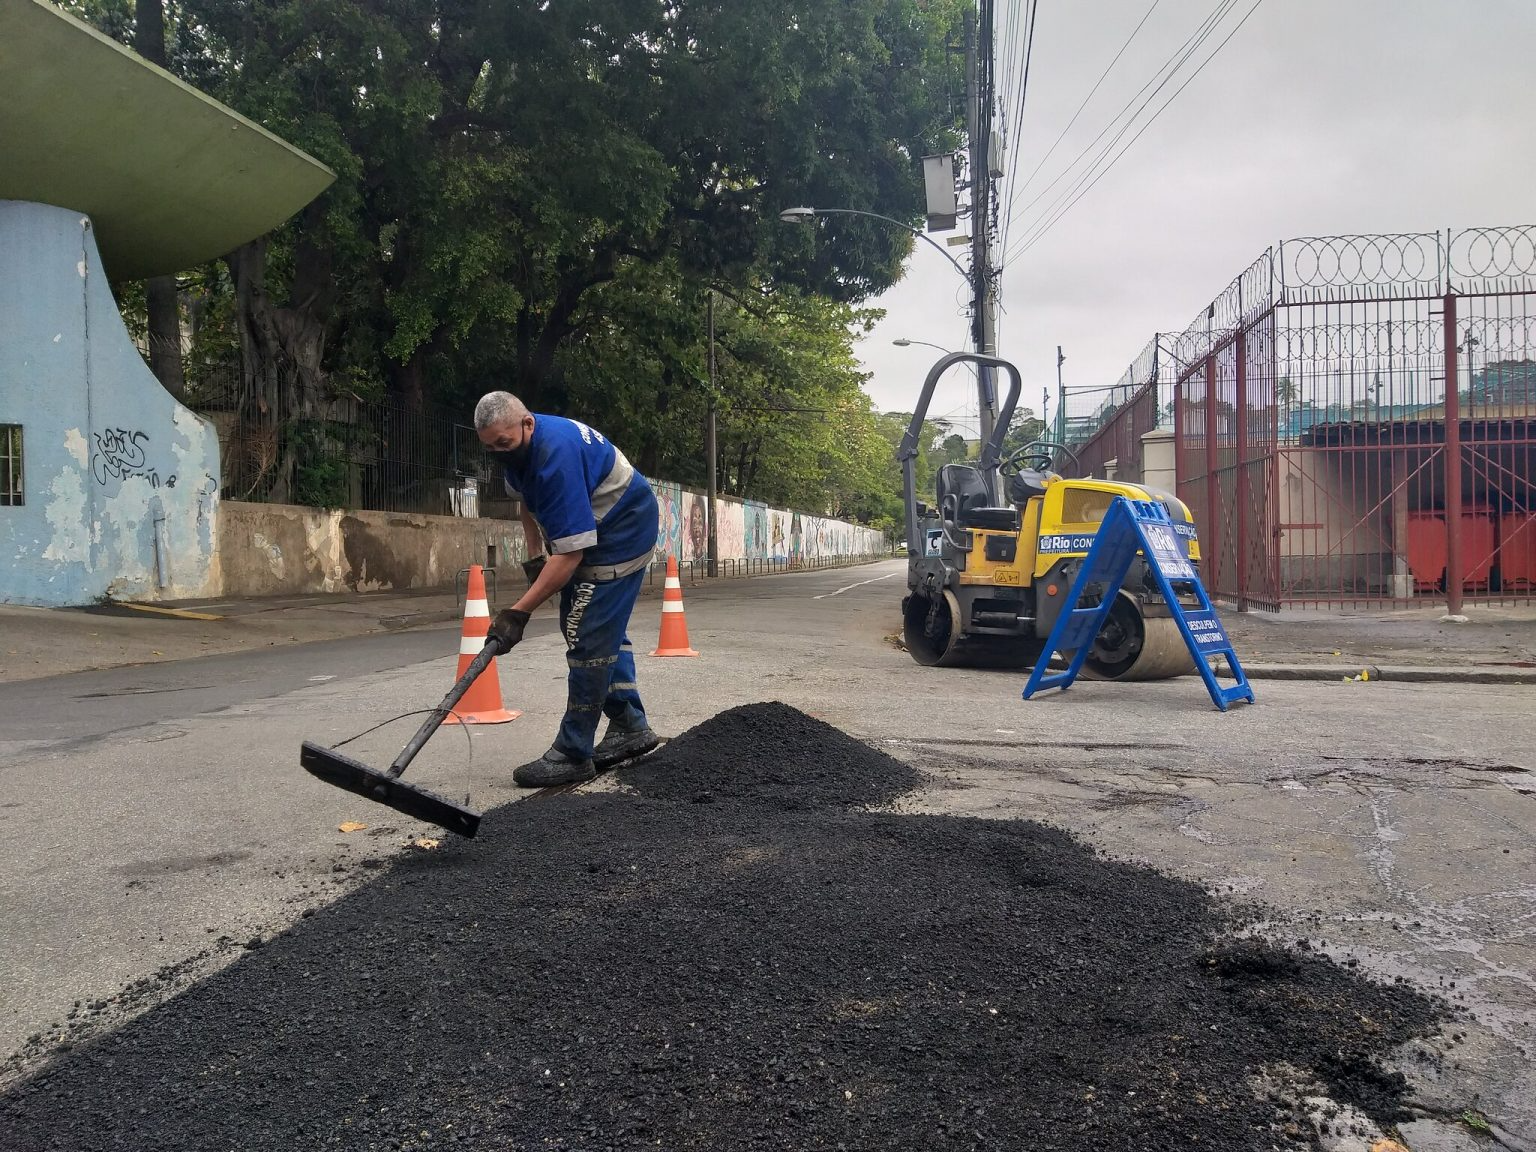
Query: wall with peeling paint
(266, 549)
(121, 482)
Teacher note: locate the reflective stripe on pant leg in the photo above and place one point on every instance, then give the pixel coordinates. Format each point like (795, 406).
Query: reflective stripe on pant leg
(623, 705)
(593, 627)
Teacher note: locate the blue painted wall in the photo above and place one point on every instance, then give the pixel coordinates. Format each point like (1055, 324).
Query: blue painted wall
(121, 481)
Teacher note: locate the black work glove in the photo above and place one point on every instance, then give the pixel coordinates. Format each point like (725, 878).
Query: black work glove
(532, 567)
(507, 629)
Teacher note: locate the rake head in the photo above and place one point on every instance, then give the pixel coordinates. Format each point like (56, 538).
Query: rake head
(354, 776)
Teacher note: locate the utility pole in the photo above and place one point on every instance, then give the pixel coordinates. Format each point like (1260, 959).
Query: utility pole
(1061, 399)
(711, 450)
(978, 91)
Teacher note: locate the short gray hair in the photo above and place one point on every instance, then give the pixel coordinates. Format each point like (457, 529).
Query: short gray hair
(498, 408)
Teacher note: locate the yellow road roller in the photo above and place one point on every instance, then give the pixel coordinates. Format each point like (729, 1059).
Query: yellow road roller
(990, 562)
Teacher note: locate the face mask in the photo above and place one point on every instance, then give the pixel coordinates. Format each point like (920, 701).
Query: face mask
(514, 457)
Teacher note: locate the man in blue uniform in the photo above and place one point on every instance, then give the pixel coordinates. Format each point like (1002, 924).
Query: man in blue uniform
(597, 520)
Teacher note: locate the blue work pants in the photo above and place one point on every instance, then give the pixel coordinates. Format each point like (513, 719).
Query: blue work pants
(594, 615)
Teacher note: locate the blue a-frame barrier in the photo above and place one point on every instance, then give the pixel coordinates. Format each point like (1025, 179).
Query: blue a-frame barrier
(1133, 526)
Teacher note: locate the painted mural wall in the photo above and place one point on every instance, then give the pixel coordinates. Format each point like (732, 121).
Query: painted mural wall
(753, 531)
(120, 482)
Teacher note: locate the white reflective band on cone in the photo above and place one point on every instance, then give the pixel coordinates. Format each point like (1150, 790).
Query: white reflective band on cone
(471, 645)
(476, 608)
(672, 606)
(674, 582)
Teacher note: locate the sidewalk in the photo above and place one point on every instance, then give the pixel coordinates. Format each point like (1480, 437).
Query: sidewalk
(1497, 644)
(37, 642)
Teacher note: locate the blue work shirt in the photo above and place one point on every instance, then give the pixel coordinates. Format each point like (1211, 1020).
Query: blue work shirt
(585, 495)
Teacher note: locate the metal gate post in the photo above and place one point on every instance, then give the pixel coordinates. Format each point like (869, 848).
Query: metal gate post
(1452, 463)
(1212, 485)
(1240, 485)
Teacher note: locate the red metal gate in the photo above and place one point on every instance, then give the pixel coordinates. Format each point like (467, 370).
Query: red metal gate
(1224, 427)
(1314, 422)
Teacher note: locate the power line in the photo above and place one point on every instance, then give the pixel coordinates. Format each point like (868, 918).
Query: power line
(1051, 151)
(1159, 80)
(1013, 124)
(1017, 123)
(1034, 238)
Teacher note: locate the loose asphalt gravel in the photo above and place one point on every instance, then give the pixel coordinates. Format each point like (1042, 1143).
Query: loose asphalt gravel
(734, 952)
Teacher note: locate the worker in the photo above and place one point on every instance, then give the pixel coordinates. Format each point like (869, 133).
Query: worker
(593, 519)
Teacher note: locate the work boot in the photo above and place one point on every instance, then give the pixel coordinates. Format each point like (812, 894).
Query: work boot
(552, 768)
(620, 744)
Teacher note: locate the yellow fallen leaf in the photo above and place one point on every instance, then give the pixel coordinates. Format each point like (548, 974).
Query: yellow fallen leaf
(428, 843)
(1388, 1146)
(351, 826)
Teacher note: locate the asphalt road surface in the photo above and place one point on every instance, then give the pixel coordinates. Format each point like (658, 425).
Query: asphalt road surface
(157, 819)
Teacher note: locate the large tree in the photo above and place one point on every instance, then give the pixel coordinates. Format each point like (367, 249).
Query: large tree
(518, 181)
(498, 161)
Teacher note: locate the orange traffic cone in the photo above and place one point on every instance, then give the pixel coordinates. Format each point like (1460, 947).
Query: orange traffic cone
(482, 703)
(674, 626)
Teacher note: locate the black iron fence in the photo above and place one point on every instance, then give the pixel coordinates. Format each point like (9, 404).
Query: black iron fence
(382, 455)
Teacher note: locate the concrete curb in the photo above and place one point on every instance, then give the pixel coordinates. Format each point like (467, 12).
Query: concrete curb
(1390, 673)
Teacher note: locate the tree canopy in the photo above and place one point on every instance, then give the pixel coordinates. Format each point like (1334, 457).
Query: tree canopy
(542, 196)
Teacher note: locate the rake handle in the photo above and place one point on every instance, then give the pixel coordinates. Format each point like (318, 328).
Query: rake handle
(440, 713)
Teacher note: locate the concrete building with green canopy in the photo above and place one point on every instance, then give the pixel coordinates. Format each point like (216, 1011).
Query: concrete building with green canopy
(111, 168)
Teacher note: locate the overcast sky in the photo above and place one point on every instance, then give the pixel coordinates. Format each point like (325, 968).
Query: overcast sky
(1319, 117)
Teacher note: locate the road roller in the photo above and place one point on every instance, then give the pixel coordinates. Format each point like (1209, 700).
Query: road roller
(991, 562)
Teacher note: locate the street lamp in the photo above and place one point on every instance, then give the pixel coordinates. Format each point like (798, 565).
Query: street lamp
(903, 342)
(988, 394)
(804, 215)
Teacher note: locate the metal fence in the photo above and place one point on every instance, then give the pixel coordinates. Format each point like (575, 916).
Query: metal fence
(1109, 443)
(1324, 454)
(384, 455)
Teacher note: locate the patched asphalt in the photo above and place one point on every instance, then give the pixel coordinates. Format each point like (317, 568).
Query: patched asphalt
(734, 951)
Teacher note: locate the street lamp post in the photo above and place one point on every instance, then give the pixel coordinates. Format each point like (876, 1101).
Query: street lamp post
(903, 342)
(1061, 399)
(805, 214)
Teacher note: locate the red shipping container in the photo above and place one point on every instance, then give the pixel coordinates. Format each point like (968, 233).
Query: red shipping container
(1478, 549)
(1427, 549)
(1517, 549)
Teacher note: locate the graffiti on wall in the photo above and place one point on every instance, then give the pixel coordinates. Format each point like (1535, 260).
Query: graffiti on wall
(119, 455)
(669, 531)
(754, 530)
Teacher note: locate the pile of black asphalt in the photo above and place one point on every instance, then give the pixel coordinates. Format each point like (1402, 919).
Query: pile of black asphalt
(739, 950)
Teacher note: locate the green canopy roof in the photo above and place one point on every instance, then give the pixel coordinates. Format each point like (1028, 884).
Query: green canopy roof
(169, 176)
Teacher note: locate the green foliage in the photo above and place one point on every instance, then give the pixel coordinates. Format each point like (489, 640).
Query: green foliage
(322, 474)
(1024, 428)
(539, 197)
